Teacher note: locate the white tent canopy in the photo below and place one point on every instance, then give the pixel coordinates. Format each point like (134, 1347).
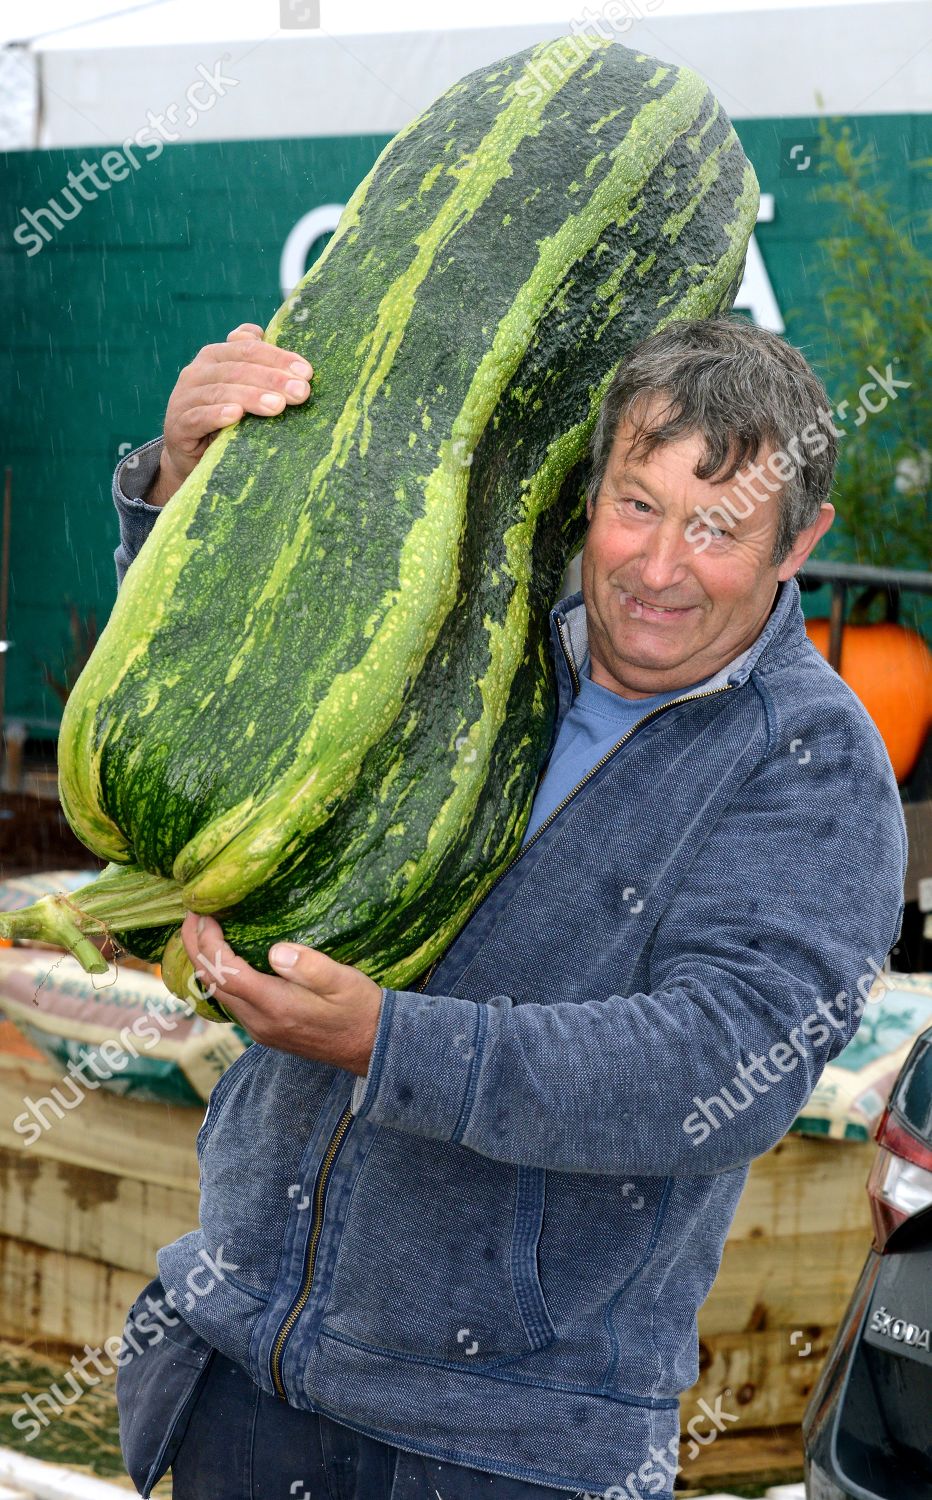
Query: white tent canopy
(357, 73)
(140, 23)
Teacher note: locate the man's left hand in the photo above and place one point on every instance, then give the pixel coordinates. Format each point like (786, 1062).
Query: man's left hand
(322, 1009)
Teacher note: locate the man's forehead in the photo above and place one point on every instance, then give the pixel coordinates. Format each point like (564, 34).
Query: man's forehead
(629, 447)
(629, 458)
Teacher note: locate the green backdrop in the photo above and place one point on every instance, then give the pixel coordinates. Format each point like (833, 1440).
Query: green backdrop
(101, 320)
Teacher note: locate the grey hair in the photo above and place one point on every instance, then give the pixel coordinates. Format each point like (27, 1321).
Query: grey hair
(743, 389)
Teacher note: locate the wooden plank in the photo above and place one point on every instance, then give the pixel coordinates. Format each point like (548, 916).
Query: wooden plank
(784, 1283)
(764, 1378)
(795, 1189)
(805, 1186)
(121, 1221)
(744, 1458)
(88, 1205)
(129, 1138)
(49, 1297)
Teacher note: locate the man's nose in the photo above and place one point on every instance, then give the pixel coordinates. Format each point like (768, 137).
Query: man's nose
(663, 560)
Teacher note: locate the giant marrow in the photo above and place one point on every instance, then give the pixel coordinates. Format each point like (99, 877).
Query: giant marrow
(324, 694)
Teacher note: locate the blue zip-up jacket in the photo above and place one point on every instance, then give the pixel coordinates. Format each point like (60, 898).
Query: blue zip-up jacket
(493, 1248)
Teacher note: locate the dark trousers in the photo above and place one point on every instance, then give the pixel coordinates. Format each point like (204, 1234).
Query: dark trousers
(185, 1406)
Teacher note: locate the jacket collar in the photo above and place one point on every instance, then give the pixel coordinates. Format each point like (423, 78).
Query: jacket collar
(783, 628)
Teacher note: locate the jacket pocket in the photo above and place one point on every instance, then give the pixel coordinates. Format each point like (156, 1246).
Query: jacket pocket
(156, 1388)
(438, 1255)
(530, 1193)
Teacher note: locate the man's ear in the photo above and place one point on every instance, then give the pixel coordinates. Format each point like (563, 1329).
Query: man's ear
(805, 542)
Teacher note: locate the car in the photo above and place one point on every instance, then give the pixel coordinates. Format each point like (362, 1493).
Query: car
(867, 1430)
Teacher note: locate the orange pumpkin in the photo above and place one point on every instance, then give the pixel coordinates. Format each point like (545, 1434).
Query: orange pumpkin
(890, 669)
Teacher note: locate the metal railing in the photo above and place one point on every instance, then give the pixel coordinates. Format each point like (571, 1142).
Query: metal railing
(892, 582)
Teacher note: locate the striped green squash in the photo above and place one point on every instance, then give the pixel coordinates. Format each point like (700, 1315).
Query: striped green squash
(324, 695)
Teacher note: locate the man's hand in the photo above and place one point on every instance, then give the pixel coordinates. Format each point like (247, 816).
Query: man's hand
(323, 1009)
(221, 383)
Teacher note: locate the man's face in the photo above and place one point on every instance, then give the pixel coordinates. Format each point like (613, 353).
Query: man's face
(648, 545)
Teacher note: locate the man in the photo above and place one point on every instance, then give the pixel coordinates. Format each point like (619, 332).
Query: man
(460, 1234)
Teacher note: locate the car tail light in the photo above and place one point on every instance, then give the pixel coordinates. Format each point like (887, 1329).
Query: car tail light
(900, 1182)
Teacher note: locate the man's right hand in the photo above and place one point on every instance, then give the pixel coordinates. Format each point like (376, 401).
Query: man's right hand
(221, 383)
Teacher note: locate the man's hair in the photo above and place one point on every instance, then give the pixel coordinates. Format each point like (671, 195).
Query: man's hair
(744, 390)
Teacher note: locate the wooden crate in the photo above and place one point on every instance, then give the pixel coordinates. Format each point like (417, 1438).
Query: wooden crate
(84, 1210)
(35, 836)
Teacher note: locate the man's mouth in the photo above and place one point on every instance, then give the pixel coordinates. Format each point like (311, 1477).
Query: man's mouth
(642, 609)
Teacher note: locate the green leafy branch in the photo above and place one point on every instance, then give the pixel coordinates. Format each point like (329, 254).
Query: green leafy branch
(876, 311)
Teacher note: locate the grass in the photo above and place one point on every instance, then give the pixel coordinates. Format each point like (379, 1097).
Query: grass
(84, 1435)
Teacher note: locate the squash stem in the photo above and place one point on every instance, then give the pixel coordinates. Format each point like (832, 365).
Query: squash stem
(122, 897)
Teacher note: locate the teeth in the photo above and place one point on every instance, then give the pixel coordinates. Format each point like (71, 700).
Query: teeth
(661, 607)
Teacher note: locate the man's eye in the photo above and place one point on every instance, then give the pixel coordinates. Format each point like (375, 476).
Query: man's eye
(632, 501)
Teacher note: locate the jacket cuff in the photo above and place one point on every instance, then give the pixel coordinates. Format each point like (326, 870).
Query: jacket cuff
(424, 1064)
(131, 478)
(133, 475)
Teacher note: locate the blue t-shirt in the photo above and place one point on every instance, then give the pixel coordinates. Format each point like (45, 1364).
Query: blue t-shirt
(596, 720)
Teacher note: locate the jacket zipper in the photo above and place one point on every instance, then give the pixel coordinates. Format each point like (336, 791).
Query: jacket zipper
(317, 1224)
(346, 1118)
(569, 660)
